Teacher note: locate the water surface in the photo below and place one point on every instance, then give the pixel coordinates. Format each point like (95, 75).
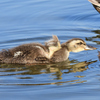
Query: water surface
(28, 21)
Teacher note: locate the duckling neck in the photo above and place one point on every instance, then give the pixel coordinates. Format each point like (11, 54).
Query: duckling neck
(65, 46)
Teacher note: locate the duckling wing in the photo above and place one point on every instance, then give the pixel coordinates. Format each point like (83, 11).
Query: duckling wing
(41, 59)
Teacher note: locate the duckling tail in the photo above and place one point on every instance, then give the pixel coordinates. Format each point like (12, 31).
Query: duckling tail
(4, 54)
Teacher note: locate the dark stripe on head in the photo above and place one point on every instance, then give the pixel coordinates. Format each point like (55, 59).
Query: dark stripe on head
(74, 39)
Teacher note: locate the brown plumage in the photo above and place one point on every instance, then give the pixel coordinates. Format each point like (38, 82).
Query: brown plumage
(96, 4)
(31, 53)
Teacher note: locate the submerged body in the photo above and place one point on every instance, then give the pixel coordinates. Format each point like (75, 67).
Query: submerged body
(50, 53)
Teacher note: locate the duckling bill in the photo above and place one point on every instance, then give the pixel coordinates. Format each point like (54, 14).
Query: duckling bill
(96, 4)
(51, 52)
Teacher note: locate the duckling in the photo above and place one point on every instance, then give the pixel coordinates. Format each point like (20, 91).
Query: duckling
(31, 53)
(73, 45)
(96, 4)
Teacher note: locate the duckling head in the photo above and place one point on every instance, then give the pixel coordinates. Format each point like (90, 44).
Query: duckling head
(77, 45)
(53, 45)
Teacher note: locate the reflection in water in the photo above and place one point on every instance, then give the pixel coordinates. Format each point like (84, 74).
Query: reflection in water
(95, 37)
(99, 55)
(43, 74)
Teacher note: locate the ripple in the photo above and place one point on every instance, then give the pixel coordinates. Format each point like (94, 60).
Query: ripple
(43, 75)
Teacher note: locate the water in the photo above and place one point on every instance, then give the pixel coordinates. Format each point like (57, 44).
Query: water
(25, 21)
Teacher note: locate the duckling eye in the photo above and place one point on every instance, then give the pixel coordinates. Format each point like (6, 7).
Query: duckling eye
(80, 43)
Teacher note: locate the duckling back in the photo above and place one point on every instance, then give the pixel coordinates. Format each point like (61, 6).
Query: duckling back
(23, 54)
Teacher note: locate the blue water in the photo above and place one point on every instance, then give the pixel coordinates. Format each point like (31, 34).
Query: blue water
(25, 21)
